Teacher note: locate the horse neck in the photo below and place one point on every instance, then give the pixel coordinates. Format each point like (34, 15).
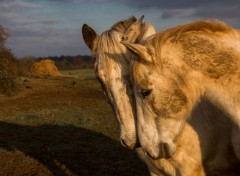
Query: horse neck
(226, 97)
(212, 62)
(216, 92)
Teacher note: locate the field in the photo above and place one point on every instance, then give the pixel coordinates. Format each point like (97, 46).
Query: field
(62, 126)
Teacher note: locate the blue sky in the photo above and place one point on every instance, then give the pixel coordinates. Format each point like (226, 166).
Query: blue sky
(44, 28)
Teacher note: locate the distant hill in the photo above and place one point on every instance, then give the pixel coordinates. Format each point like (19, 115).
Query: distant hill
(72, 62)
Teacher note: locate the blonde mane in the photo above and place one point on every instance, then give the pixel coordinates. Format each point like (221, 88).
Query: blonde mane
(208, 26)
(108, 42)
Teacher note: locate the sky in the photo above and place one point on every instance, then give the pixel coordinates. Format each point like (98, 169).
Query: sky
(42, 28)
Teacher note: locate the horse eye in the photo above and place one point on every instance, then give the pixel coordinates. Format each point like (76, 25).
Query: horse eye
(145, 93)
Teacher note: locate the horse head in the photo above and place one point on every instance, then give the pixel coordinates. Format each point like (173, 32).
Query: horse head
(112, 71)
(162, 102)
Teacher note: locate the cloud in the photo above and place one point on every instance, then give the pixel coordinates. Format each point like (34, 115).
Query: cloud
(219, 11)
(163, 4)
(177, 13)
(46, 42)
(67, 1)
(198, 8)
(13, 20)
(19, 4)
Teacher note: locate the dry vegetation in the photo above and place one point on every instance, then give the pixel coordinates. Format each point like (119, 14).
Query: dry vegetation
(45, 67)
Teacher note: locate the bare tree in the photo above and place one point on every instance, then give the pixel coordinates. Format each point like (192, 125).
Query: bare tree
(3, 35)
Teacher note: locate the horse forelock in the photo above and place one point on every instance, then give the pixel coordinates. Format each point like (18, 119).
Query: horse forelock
(109, 46)
(111, 53)
(123, 25)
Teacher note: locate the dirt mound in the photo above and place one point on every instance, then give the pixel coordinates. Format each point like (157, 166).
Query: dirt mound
(45, 67)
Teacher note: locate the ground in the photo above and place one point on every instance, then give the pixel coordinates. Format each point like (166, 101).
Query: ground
(62, 126)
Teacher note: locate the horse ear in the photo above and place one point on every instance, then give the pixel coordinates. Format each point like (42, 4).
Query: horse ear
(142, 52)
(141, 18)
(90, 37)
(133, 32)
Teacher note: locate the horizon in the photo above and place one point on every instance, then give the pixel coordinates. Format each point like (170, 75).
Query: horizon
(44, 28)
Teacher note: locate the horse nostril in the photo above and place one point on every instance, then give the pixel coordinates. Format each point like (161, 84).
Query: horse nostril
(123, 143)
(151, 156)
(137, 145)
(131, 146)
(165, 150)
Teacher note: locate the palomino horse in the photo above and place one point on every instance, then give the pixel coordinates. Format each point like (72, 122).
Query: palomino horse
(174, 69)
(189, 152)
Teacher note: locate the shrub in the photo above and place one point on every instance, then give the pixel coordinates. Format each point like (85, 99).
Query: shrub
(8, 67)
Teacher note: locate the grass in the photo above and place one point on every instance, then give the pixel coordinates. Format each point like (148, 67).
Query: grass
(55, 127)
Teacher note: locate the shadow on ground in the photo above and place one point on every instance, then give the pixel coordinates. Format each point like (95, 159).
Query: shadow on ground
(64, 150)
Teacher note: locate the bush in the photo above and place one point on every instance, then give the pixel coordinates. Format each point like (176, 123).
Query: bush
(8, 83)
(8, 67)
(25, 65)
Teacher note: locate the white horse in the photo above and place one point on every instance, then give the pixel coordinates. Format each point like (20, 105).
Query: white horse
(113, 74)
(112, 69)
(174, 69)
